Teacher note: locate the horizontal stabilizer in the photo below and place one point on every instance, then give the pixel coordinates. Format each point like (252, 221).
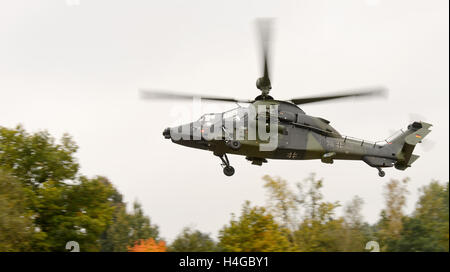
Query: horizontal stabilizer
(413, 159)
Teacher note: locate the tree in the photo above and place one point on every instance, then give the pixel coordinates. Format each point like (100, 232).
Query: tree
(355, 230)
(148, 245)
(116, 237)
(125, 229)
(433, 210)
(319, 229)
(190, 240)
(428, 227)
(36, 158)
(325, 233)
(74, 212)
(352, 212)
(16, 226)
(140, 226)
(391, 223)
(310, 198)
(282, 202)
(254, 231)
(44, 203)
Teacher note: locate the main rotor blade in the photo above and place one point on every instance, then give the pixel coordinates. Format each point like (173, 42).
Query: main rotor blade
(366, 92)
(168, 95)
(264, 26)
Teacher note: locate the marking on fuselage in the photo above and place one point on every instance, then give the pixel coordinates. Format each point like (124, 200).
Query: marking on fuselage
(292, 155)
(339, 144)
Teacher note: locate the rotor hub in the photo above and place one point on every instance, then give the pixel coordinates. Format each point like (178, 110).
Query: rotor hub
(263, 84)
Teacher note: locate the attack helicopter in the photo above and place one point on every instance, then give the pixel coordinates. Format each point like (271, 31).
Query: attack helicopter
(299, 136)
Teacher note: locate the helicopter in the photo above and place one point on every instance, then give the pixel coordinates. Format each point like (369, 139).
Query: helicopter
(298, 136)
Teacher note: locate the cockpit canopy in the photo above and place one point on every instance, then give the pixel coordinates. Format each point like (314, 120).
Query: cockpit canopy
(236, 114)
(287, 113)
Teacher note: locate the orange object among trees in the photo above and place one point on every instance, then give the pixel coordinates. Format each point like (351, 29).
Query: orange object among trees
(149, 245)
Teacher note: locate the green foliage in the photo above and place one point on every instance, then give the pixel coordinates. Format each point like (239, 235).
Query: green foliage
(116, 237)
(428, 227)
(390, 226)
(317, 236)
(74, 212)
(282, 201)
(433, 211)
(352, 213)
(16, 225)
(127, 228)
(310, 223)
(190, 240)
(36, 158)
(43, 205)
(254, 231)
(140, 227)
(356, 231)
(313, 226)
(320, 230)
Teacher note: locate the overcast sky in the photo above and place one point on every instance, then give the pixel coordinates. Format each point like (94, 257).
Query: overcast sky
(76, 66)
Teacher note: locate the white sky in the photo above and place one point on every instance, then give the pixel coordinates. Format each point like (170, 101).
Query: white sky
(77, 68)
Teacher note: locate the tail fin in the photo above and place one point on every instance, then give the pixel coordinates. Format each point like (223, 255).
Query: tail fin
(405, 143)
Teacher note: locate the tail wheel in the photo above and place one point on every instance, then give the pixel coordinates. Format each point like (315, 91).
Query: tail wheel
(381, 173)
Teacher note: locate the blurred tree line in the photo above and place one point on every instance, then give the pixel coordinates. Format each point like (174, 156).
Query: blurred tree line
(301, 220)
(45, 202)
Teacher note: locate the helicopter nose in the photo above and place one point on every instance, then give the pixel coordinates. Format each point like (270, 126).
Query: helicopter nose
(166, 133)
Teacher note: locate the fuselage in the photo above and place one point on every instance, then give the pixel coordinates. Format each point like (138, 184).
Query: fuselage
(299, 137)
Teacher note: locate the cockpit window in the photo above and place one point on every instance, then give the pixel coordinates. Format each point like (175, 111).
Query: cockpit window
(209, 118)
(237, 114)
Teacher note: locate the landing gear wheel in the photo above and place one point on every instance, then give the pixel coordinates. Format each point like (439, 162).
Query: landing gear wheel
(228, 171)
